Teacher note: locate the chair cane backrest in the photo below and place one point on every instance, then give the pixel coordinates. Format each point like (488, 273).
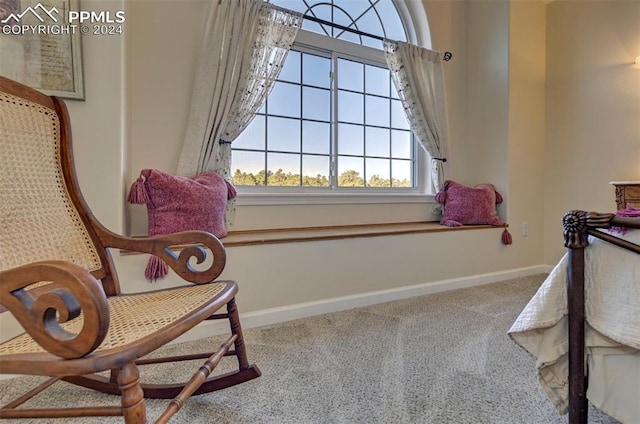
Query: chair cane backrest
(38, 219)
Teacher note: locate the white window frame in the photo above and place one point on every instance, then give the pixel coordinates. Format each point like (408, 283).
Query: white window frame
(274, 195)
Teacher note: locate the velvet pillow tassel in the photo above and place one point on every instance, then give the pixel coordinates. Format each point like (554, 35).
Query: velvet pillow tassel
(231, 190)
(506, 236)
(156, 269)
(138, 193)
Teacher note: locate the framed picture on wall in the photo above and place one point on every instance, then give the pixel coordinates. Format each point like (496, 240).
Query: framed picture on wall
(39, 47)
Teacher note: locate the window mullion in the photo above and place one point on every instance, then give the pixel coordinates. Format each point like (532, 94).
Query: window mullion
(333, 175)
(364, 126)
(266, 141)
(390, 153)
(301, 117)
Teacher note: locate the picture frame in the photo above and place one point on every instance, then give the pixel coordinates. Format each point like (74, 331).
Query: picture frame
(40, 48)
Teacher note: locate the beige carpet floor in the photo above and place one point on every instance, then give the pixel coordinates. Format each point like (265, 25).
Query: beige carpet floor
(441, 358)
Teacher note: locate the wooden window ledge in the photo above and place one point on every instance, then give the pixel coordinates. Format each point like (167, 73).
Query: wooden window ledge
(306, 234)
(296, 235)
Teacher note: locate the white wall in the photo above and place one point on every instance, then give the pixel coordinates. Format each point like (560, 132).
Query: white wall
(592, 108)
(99, 123)
(485, 147)
(526, 126)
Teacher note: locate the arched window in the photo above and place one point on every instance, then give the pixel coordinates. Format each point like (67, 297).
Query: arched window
(333, 121)
(375, 17)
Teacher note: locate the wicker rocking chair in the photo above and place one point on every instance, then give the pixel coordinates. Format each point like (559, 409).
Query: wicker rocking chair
(58, 280)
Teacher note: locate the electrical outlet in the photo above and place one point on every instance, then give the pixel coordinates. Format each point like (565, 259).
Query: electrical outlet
(525, 229)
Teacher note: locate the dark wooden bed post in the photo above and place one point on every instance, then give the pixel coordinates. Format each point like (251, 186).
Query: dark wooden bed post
(578, 225)
(575, 239)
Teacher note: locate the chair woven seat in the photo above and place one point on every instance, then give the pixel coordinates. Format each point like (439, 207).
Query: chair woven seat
(133, 317)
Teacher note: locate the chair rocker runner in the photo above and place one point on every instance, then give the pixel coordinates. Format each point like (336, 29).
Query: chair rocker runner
(58, 280)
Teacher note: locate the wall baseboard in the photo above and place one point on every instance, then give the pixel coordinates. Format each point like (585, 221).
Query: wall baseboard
(308, 309)
(325, 306)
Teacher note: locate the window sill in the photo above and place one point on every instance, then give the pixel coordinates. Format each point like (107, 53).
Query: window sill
(296, 235)
(308, 234)
(270, 199)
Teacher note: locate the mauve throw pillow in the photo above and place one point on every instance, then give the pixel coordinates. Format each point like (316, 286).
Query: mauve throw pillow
(176, 203)
(465, 205)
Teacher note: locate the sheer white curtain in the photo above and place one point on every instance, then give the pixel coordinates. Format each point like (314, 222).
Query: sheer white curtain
(277, 30)
(244, 47)
(419, 79)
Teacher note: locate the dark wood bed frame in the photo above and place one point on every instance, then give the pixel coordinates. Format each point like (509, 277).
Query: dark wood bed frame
(578, 225)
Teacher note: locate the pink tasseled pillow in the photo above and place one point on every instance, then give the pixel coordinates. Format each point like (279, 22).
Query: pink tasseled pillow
(177, 203)
(469, 205)
(476, 205)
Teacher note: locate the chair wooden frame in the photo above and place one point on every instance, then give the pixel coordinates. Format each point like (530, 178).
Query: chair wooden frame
(578, 225)
(71, 290)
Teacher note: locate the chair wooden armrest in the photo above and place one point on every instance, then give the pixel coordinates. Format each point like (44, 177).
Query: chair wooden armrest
(190, 244)
(67, 291)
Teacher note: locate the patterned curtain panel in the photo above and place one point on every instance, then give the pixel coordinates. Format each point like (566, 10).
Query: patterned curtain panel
(244, 47)
(419, 80)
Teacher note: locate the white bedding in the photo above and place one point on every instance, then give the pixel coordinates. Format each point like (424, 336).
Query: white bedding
(612, 309)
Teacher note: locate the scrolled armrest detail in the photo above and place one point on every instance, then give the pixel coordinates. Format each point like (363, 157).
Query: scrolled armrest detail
(187, 244)
(70, 291)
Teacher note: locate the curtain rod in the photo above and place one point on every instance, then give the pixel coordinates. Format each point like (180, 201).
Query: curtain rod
(447, 55)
